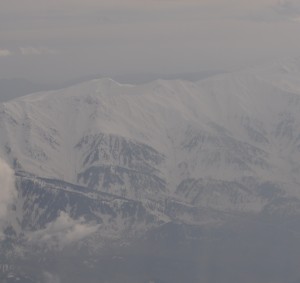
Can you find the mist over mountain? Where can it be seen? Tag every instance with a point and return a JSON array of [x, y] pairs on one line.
[[167, 181], [13, 88]]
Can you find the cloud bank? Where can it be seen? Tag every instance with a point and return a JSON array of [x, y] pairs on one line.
[[7, 193], [280, 12], [63, 231], [51, 278], [288, 8], [29, 50], [115, 37], [5, 52]]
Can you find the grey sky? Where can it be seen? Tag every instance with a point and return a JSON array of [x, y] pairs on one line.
[[55, 40]]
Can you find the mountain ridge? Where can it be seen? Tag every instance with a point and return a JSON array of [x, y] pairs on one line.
[[163, 168]]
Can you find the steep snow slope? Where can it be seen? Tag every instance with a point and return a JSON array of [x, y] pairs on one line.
[[197, 174], [188, 141]]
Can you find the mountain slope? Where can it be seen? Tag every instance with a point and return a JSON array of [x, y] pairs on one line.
[[102, 163], [222, 127]]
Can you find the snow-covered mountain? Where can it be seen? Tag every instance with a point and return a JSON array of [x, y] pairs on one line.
[[134, 158]]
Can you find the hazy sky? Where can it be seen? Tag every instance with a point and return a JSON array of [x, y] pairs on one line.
[[52, 40]]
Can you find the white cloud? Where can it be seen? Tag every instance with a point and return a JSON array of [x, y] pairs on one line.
[[5, 52], [63, 231], [51, 278], [30, 50], [7, 192]]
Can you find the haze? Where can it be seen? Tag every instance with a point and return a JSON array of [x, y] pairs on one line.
[[54, 41]]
